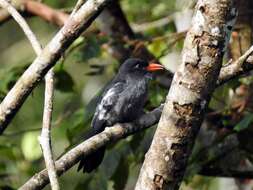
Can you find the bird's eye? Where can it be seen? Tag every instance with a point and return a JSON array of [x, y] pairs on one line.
[[137, 66]]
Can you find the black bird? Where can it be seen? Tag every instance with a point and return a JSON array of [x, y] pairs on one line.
[[122, 101]]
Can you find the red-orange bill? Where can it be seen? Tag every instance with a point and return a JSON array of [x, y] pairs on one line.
[[154, 67]]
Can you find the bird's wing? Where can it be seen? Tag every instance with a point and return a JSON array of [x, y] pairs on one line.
[[108, 101]]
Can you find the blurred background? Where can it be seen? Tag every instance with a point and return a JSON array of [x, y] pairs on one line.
[[222, 156]]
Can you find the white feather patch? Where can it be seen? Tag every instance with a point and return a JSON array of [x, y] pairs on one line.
[[105, 102]]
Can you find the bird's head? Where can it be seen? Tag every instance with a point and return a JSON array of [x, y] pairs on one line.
[[139, 66]]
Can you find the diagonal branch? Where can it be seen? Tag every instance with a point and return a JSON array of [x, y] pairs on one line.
[[45, 12], [110, 134], [154, 24], [36, 8], [5, 15], [73, 27], [77, 6]]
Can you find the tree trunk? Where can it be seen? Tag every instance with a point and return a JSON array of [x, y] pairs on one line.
[[190, 91]]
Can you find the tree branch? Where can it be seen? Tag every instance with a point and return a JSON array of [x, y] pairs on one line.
[[154, 24], [45, 137], [36, 8], [241, 66], [45, 12], [77, 6], [189, 94], [45, 133], [73, 27], [5, 15], [118, 131]]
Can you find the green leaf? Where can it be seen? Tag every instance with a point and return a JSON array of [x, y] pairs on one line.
[[136, 141], [77, 126], [7, 81], [110, 162], [244, 123], [64, 81], [2, 167], [6, 187], [77, 42], [157, 94], [121, 170], [7, 151], [90, 49], [2, 95], [30, 146], [97, 181]]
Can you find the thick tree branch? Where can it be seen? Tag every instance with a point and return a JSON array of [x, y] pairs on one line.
[[77, 6], [190, 91], [73, 27], [110, 134], [241, 66]]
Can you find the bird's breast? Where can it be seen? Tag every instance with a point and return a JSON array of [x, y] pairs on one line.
[[132, 100]]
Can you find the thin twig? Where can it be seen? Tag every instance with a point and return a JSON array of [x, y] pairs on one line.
[[44, 139], [169, 36], [154, 24], [5, 15]]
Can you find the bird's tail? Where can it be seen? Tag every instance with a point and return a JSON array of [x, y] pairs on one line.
[[92, 161]]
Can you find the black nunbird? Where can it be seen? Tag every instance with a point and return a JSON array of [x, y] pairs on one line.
[[122, 101]]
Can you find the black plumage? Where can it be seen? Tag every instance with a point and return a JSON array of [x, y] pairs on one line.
[[122, 101]]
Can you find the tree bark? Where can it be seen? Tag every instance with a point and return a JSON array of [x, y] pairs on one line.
[[192, 85]]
